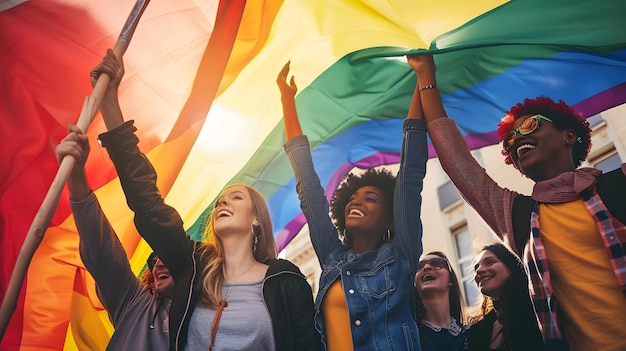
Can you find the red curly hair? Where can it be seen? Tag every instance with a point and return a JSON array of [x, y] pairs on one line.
[[147, 279], [563, 117]]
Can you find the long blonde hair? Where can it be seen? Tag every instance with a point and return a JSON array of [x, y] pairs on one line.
[[212, 251]]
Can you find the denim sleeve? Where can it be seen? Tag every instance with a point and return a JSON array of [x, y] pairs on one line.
[[313, 202], [407, 197]]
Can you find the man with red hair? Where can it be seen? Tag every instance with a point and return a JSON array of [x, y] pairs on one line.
[[570, 232]]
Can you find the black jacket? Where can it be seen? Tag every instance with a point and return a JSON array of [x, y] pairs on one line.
[[287, 294], [526, 338]]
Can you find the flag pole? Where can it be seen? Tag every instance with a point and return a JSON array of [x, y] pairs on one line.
[[46, 210]]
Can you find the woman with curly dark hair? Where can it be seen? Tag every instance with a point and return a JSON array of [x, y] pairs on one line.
[[365, 300], [506, 320], [380, 179]]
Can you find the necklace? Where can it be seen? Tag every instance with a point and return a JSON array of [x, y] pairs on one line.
[[453, 328], [231, 286], [223, 304]]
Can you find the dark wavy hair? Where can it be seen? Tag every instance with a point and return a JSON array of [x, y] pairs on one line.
[[563, 117], [515, 309], [382, 179], [455, 298]]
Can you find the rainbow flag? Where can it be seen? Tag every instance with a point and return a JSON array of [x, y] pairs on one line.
[[200, 83]]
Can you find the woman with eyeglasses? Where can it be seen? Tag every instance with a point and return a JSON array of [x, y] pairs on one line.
[[440, 305], [570, 232], [506, 319], [365, 300]]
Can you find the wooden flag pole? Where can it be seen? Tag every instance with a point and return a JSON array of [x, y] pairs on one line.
[[46, 210]]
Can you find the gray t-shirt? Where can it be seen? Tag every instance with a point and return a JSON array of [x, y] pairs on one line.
[[245, 323]]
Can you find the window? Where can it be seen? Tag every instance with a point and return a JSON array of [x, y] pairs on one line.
[[447, 194], [595, 120], [607, 162], [604, 154], [465, 253]]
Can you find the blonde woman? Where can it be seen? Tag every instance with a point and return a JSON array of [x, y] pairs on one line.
[[232, 292]]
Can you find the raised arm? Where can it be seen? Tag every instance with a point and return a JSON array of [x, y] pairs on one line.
[[75, 144], [426, 89], [159, 224], [100, 249], [288, 92], [110, 106], [490, 200], [313, 202], [415, 108], [409, 184]]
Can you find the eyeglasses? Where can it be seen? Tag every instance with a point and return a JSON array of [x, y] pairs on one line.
[[152, 261], [529, 125], [436, 263]]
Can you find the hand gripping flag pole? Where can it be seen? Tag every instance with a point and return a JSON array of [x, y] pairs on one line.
[[46, 210]]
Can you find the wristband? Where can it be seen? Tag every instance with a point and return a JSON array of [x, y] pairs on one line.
[[429, 86]]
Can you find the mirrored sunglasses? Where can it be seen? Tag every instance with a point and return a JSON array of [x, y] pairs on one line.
[[529, 125], [435, 262]]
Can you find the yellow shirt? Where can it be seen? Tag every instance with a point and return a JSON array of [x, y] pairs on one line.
[[583, 279], [336, 319]]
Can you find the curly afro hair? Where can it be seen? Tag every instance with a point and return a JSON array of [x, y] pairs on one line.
[[563, 117], [382, 179]]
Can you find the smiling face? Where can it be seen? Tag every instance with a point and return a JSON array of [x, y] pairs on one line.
[[432, 274], [491, 274], [163, 281], [543, 153], [234, 212], [367, 212]]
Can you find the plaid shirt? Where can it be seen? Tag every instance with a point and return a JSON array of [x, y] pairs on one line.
[[614, 237]]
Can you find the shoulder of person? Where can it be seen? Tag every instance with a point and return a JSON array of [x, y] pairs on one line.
[[611, 187], [279, 265], [483, 325]]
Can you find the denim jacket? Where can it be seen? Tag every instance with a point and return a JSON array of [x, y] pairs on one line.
[[378, 284]]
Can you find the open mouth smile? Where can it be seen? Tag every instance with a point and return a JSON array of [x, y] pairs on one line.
[[482, 280], [162, 276], [356, 213], [429, 277], [224, 213], [524, 149]]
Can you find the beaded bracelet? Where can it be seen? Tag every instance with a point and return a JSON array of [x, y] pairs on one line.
[[429, 86]]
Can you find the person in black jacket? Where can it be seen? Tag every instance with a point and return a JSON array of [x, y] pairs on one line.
[[506, 320], [231, 291]]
